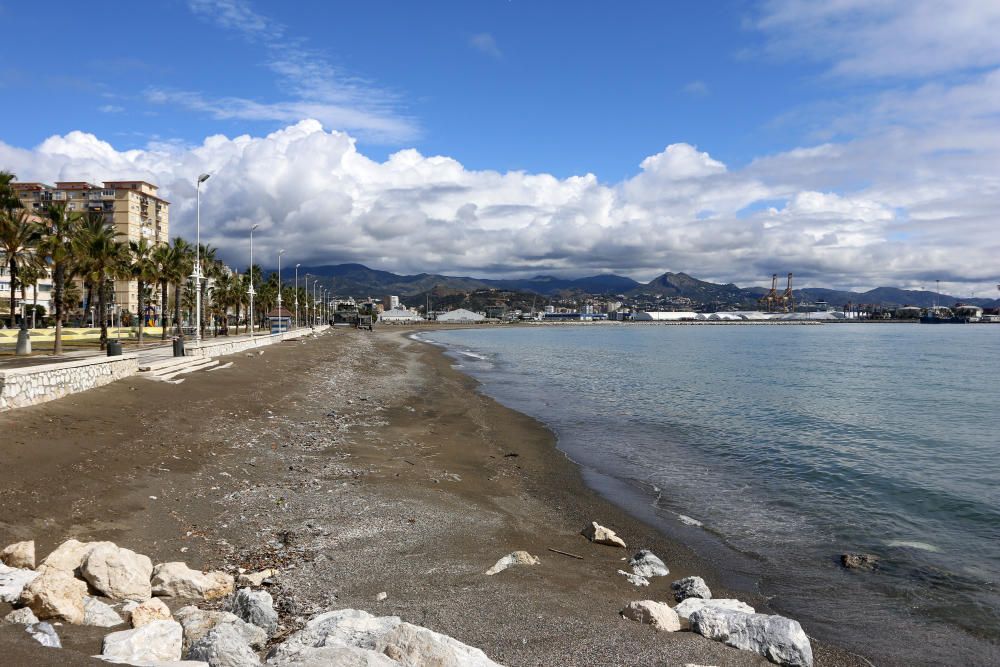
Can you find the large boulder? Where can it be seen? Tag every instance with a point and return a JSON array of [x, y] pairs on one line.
[[691, 605], [22, 616], [12, 582], [223, 646], [781, 640], [647, 564], [344, 627], [159, 641], [597, 533], [141, 613], [414, 646], [44, 634], [56, 595], [255, 607], [120, 574], [691, 587], [512, 559], [19, 554], [198, 622], [339, 656], [656, 614], [69, 555], [99, 614], [178, 580]]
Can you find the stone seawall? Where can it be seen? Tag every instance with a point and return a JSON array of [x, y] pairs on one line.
[[220, 348], [21, 387]]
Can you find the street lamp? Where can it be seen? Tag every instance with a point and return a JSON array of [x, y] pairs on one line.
[[250, 291], [297, 295], [314, 303], [196, 274], [280, 253]]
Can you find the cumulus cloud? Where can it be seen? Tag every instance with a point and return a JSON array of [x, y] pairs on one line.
[[317, 196]]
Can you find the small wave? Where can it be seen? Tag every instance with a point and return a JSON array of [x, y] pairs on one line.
[[905, 544], [472, 355], [689, 521]]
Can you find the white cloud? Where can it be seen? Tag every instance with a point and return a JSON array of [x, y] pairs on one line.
[[486, 43], [317, 196], [696, 89], [110, 108]]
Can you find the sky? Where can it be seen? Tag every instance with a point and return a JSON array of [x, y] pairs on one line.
[[854, 143]]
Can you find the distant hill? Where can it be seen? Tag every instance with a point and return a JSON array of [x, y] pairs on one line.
[[358, 280]]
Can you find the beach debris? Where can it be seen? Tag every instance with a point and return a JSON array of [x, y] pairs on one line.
[[510, 455], [656, 614], [691, 605], [565, 553], [381, 596], [159, 641], [256, 579], [691, 587], [781, 640], [511, 559], [22, 616], [859, 561], [176, 579], [199, 622], [143, 613], [20, 555], [223, 646], [634, 579], [56, 595], [598, 534], [69, 556], [12, 582], [44, 634], [99, 614], [255, 607], [646, 564], [120, 574]]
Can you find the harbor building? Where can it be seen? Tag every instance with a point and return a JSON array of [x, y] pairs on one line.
[[133, 207]]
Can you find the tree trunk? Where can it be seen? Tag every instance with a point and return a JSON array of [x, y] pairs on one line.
[[89, 303], [13, 299], [102, 307], [59, 277], [163, 310], [177, 310], [141, 311]]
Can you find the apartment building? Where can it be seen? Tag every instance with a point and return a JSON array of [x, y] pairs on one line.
[[133, 207]]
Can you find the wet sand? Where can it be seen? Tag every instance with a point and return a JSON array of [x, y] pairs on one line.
[[355, 463]]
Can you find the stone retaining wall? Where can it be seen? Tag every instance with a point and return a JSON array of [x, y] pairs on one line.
[[21, 387], [220, 348]]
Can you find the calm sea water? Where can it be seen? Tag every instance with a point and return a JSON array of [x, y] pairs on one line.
[[791, 445]]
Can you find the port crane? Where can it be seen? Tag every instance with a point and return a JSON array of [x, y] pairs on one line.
[[773, 302]]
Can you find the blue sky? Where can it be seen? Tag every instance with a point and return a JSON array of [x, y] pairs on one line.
[[855, 143]]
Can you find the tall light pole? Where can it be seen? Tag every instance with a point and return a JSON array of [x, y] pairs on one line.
[[196, 274], [280, 253], [315, 303], [297, 295], [251, 291]]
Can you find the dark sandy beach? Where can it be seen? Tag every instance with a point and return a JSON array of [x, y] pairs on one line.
[[355, 463]]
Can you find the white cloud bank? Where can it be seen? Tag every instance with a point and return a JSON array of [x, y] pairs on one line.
[[315, 195]]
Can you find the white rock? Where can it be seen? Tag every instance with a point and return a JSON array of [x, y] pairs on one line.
[[120, 574], [597, 533], [223, 646], [781, 640], [691, 605], [255, 607], [414, 646], [153, 642], [198, 622], [511, 559], [256, 579], [69, 555], [147, 612], [99, 614], [12, 582], [345, 627], [339, 656], [22, 616], [634, 579], [56, 595], [19, 554], [44, 634], [691, 587], [178, 580], [657, 614], [381, 596], [647, 564]]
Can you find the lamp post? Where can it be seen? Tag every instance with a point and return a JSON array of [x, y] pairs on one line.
[[297, 295], [251, 291], [280, 253], [196, 274], [315, 303]]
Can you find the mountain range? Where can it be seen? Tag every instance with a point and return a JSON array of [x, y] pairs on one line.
[[358, 280]]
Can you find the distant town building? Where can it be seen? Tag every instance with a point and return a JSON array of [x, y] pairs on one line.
[[461, 315], [390, 302], [399, 315]]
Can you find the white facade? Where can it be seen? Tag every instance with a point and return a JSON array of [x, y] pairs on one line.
[[461, 315], [664, 316], [399, 316]]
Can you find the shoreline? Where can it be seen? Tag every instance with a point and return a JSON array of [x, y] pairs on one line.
[[356, 463]]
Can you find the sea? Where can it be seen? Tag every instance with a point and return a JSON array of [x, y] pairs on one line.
[[772, 450]]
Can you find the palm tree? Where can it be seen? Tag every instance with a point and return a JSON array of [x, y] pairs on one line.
[[104, 259], [19, 234], [210, 266], [144, 270], [181, 262], [61, 226], [161, 258], [31, 273]]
